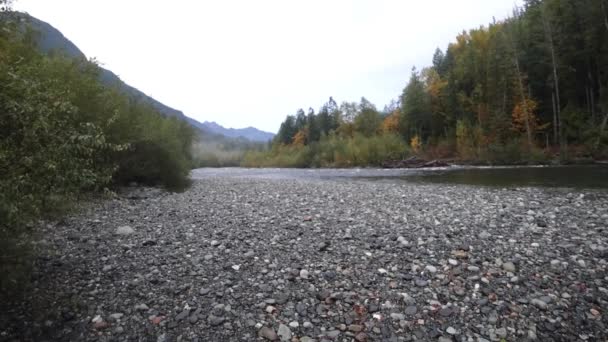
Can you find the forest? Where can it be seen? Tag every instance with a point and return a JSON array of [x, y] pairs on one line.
[[65, 135], [532, 88]]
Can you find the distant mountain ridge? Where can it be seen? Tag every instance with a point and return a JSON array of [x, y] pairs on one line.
[[250, 133], [50, 39]]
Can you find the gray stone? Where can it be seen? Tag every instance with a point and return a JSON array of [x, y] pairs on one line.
[[473, 268], [485, 235], [215, 320], [411, 310], [124, 230], [421, 282], [333, 334], [539, 304], [268, 333], [501, 332], [397, 316], [284, 333], [509, 267], [141, 307]]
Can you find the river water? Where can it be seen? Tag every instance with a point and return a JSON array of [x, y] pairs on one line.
[[580, 177]]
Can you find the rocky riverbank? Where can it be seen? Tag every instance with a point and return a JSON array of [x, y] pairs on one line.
[[245, 259]]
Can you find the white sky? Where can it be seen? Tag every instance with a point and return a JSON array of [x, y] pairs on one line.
[[250, 63]]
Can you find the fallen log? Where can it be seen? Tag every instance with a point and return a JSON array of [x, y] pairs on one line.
[[413, 163]]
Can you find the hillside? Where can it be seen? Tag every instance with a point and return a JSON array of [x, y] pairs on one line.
[[250, 133], [49, 40]]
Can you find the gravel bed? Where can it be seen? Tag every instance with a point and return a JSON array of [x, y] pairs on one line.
[[254, 259]]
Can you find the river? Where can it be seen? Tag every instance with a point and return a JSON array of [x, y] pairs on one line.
[[576, 176]]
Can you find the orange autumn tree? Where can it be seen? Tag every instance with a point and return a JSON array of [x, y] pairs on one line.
[[300, 138], [415, 144], [391, 123], [524, 118]]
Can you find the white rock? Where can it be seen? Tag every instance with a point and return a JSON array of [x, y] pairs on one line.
[[116, 316], [509, 267], [284, 333], [484, 235], [431, 268], [124, 230], [141, 307], [304, 274]]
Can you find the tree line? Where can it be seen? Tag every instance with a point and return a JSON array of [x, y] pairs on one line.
[[64, 134], [529, 88]]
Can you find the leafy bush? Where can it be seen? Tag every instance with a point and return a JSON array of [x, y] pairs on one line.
[[65, 134], [332, 151], [515, 151]]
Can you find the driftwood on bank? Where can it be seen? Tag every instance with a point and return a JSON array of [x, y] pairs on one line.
[[413, 163]]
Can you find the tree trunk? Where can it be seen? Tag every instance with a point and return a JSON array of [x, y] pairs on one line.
[[605, 15], [587, 99], [592, 95], [524, 103], [555, 127], [549, 35], [602, 129]]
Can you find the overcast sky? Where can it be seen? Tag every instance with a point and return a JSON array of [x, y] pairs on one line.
[[250, 63]]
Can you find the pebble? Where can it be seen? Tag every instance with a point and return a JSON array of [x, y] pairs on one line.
[[361, 337], [485, 235], [215, 320], [268, 333], [539, 304], [431, 269], [124, 230], [232, 259], [473, 268], [284, 332], [116, 316], [411, 310], [509, 267], [141, 307], [355, 327], [397, 316]]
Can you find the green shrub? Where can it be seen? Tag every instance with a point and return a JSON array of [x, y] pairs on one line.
[[515, 151], [332, 151], [63, 134]]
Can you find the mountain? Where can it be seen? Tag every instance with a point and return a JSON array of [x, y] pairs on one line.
[[49, 39], [250, 133]]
